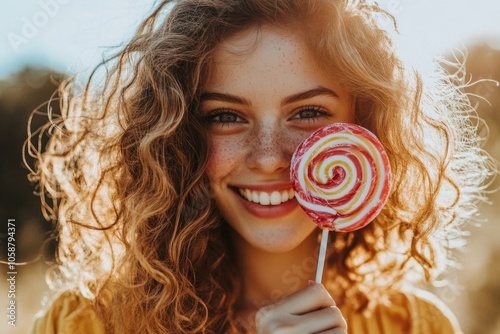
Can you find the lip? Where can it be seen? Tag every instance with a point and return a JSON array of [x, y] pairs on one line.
[[268, 211]]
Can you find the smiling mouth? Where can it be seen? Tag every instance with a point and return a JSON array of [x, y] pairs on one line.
[[267, 198]]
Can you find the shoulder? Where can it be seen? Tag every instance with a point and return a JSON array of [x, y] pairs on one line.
[[429, 313], [411, 312], [69, 312]]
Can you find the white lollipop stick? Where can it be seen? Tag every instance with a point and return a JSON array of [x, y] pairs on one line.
[[322, 253], [341, 177]]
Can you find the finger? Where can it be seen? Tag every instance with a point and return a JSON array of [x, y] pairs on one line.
[[309, 299], [334, 331], [322, 320]]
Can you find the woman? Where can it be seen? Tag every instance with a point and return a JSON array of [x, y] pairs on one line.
[[171, 188]]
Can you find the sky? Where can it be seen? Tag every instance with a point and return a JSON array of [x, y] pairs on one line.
[[73, 35]]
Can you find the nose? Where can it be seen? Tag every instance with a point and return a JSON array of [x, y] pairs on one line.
[[270, 149]]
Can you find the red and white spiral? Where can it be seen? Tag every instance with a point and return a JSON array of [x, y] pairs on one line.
[[341, 176]]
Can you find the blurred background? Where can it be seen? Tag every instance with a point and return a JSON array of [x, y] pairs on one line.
[[44, 41]]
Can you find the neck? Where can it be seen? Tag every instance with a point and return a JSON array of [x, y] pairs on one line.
[[269, 277]]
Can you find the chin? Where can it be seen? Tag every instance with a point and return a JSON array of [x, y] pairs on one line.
[[277, 238]]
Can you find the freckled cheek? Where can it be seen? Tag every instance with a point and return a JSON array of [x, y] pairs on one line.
[[225, 157], [295, 138], [291, 139]]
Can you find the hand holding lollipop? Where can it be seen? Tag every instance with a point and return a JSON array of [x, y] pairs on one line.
[[341, 177]]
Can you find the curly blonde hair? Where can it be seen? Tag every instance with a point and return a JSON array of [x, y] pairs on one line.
[[123, 175]]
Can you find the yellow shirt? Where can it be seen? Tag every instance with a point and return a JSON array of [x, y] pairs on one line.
[[404, 313]]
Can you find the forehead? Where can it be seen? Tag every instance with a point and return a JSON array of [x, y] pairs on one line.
[[264, 52], [265, 37]]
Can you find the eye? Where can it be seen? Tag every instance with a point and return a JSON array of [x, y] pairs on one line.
[[223, 117], [309, 113]]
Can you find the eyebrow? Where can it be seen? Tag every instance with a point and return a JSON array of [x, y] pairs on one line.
[[309, 94], [224, 97]]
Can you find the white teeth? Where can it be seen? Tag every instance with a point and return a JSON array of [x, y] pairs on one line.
[[284, 196], [275, 198], [265, 198]]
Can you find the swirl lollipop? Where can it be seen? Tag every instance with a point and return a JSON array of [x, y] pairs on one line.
[[341, 177]]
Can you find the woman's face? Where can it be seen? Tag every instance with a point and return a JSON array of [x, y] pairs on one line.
[[265, 94]]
